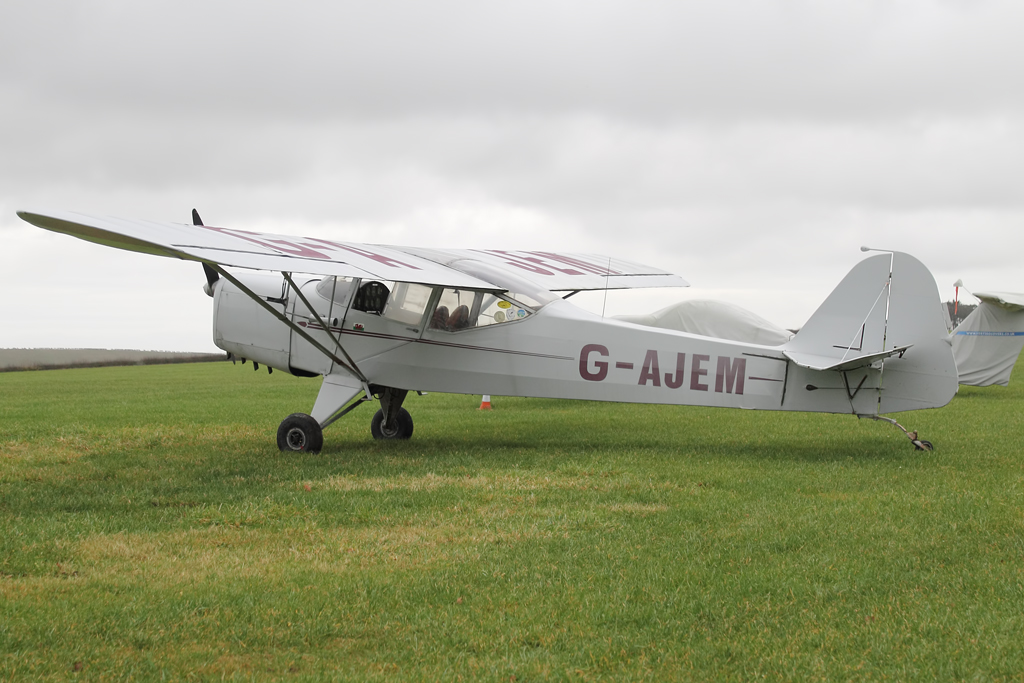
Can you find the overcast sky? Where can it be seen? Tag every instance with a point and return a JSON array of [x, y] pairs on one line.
[[750, 147]]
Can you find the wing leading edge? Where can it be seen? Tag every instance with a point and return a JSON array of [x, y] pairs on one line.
[[265, 251], [559, 271], [259, 251]]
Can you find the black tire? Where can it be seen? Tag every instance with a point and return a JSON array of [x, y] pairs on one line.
[[300, 433], [403, 429], [927, 446]]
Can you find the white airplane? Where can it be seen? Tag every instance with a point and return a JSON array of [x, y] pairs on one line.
[[988, 342], [378, 322]]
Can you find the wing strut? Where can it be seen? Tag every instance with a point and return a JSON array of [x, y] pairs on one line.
[[283, 318], [327, 328]]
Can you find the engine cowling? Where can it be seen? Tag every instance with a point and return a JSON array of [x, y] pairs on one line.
[[244, 328]]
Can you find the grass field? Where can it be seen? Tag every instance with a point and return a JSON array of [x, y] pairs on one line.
[[151, 530]]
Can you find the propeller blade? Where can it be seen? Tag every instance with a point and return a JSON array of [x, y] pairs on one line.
[[211, 278], [211, 274]]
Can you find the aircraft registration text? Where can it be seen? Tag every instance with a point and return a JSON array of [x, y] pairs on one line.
[[730, 373]]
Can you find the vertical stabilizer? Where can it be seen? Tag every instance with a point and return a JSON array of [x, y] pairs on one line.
[[888, 304]]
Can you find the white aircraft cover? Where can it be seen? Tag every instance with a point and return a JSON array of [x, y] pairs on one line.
[[988, 342], [714, 319], [1007, 300], [264, 251]]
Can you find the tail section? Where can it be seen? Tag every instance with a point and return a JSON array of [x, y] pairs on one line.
[[883, 324]]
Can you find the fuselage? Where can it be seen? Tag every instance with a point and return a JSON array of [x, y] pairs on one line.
[[555, 350]]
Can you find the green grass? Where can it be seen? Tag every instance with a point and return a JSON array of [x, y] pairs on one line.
[[151, 529]]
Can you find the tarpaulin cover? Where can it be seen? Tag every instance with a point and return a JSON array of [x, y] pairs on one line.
[[714, 319], [987, 343], [1007, 300]]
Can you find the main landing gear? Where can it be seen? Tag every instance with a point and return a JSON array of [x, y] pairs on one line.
[[400, 427], [301, 433], [392, 421]]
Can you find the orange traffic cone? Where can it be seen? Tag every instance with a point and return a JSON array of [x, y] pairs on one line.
[[486, 403]]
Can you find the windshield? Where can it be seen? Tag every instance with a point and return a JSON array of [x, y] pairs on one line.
[[519, 289], [465, 309], [407, 302], [335, 289]]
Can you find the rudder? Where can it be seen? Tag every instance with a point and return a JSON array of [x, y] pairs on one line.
[[886, 314]]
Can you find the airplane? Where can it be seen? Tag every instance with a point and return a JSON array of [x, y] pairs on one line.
[[988, 342], [376, 322]]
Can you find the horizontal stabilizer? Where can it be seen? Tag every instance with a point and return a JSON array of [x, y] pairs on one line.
[[816, 362]]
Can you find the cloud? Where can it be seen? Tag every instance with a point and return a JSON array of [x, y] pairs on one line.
[[749, 146], [731, 59]]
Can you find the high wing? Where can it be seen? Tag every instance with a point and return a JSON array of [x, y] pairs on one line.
[[260, 251], [263, 251], [559, 272]]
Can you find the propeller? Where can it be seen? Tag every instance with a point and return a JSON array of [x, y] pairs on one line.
[[211, 275]]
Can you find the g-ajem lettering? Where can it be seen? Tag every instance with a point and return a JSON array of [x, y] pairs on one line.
[[730, 373]]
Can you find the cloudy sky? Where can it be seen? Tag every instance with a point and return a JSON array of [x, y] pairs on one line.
[[749, 146]]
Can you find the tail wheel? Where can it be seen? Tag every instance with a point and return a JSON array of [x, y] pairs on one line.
[[300, 432], [401, 428]]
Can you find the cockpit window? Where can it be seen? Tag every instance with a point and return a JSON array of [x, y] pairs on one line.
[[463, 309], [519, 289], [371, 297], [335, 289], [407, 302]]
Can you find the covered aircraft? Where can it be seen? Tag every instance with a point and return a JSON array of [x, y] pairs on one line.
[[376, 322], [988, 342], [710, 318]]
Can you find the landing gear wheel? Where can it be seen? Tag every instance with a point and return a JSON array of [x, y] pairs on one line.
[[919, 444], [401, 430], [300, 432]]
